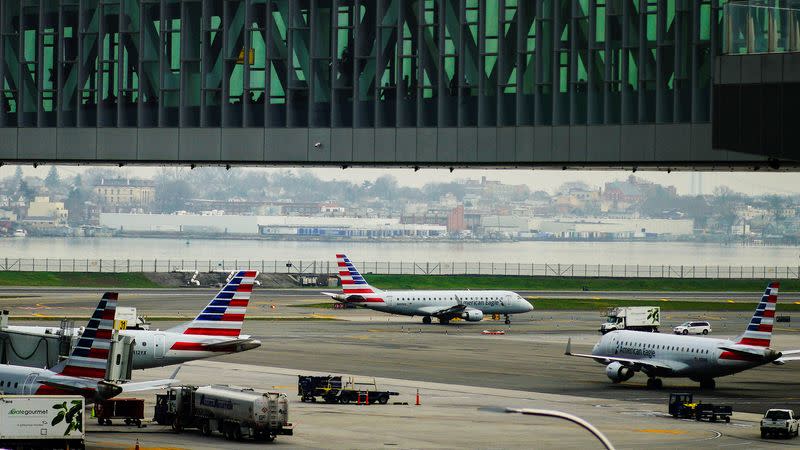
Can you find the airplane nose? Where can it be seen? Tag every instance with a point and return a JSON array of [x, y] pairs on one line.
[[528, 305]]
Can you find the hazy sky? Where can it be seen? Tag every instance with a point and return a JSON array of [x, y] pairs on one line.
[[547, 180]]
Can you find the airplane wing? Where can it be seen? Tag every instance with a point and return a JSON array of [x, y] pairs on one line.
[[787, 356], [635, 364], [225, 344], [151, 385], [70, 383], [343, 298], [148, 385]]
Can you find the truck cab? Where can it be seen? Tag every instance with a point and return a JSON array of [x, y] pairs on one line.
[[779, 422]]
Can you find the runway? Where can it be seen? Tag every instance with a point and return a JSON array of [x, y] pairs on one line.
[[183, 302], [475, 374]]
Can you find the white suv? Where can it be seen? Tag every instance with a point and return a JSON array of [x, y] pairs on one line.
[[699, 327]]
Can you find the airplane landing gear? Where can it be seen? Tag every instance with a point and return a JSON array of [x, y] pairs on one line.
[[444, 321], [654, 383], [426, 320], [708, 383], [508, 320]]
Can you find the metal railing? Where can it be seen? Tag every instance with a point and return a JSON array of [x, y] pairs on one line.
[[401, 268], [761, 27]]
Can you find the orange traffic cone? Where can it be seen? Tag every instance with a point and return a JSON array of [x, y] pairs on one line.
[[417, 398], [137, 445]]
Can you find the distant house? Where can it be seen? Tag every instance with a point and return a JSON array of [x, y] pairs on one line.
[[120, 194]]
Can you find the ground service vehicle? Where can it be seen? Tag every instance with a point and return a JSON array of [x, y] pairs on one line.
[[337, 389], [693, 327], [779, 421], [682, 406], [637, 318], [131, 410], [42, 421], [236, 412]]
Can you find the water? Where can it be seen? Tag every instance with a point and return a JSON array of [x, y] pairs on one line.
[[656, 253]]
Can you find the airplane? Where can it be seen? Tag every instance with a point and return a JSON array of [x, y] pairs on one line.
[[443, 305], [84, 371], [215, 331], [700, 359]]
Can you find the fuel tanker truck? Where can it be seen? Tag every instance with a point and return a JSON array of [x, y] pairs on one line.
[[235, 412]]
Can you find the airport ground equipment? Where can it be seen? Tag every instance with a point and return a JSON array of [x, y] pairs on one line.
[[338, 389], [42, 421], [130, 410], [682, 406], [132, 320], [779, 422], [636, 318], [235, 412]]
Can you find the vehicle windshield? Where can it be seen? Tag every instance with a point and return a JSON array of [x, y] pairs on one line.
[[685, 324], [777, 415]]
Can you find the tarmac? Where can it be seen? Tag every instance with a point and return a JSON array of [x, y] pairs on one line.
[[466, 379]]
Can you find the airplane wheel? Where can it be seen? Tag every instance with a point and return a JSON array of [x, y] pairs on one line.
[[426, 320], [444, 321], [708, 383], [508, 321], [654, 383]]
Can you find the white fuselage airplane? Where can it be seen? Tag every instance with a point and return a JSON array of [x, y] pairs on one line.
[[443, 305], [215, 331], [84, 371], [700, 359]]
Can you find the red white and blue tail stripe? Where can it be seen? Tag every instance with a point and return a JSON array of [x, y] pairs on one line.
[[90, 356], [224, 315], [759, 331], [354, 287]]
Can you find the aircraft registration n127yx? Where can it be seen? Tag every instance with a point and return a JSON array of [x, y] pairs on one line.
[[443, 305], [84, 371], [215, 331], [700, 359]]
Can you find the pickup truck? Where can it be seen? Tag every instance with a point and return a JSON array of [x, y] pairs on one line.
[[779, 421]]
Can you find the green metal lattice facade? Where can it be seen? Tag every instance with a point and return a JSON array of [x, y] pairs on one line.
[[509, 82]]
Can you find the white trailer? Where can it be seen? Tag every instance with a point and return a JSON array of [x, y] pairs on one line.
[[42, 421], [637, 318]]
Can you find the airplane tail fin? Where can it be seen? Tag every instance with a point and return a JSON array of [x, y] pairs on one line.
[[224, 315], [352, 281], [759, 331], [90, 356]]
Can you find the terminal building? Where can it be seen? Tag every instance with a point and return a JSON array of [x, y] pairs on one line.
[[572, 83]]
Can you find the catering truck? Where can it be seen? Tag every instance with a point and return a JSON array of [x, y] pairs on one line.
[[637, 318], [235, 412], [41, 421]]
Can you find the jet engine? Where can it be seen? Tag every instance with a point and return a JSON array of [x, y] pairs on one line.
[[472, 315], [618, 373]]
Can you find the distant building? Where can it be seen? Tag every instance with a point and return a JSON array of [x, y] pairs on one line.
[[43, 212], [455, 220], [121, 194]]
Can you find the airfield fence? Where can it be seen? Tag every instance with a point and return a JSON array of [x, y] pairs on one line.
[[301, 267]]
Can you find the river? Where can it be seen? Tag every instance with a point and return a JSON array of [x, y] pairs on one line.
[[655, 253]]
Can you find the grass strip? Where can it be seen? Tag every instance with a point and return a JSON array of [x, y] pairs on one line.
[[583, 304], [178, 319], [76, 279], [525, 283]]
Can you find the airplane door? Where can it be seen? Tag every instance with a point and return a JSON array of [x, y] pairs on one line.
[[28, 384], [160, 344]]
